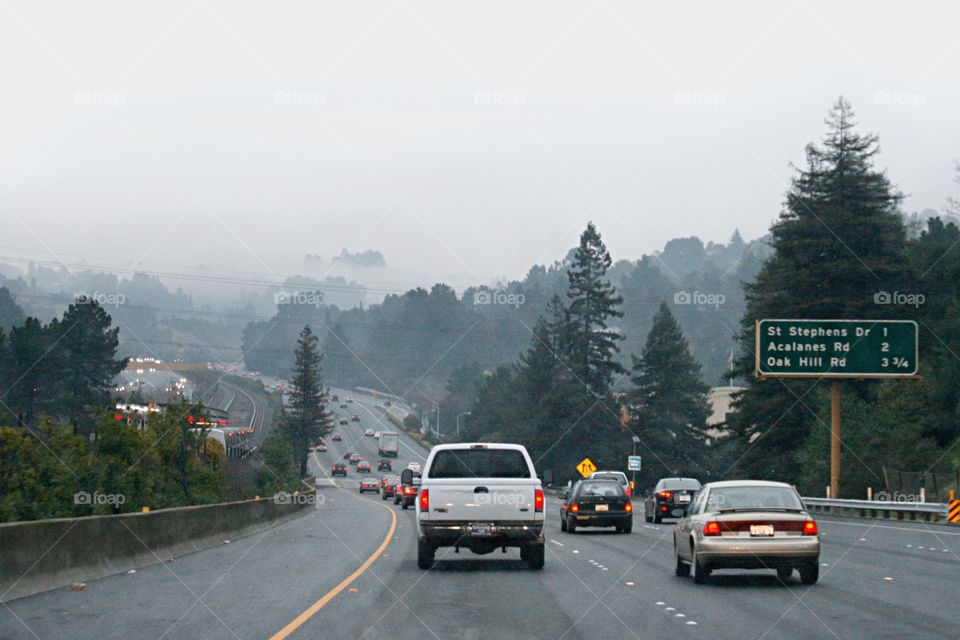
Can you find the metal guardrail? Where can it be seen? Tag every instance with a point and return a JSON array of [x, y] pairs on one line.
[[926, 511]]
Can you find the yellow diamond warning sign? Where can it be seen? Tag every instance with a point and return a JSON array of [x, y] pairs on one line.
[[586, 467]]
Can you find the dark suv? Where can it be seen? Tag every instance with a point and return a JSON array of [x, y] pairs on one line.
[[597, 503], [670, 499]]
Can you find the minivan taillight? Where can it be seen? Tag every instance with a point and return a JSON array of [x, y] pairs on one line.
[[538, 500], [424, 500]]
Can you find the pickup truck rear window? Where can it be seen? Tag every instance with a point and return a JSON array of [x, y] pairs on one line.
[[479, 463]]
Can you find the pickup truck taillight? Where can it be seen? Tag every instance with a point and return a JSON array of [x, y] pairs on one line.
[[538, 500], [424, 499]]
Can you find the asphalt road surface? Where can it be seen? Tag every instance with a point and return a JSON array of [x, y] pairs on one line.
[[347, 569]]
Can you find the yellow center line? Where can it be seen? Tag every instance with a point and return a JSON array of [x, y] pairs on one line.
[[297, 622]]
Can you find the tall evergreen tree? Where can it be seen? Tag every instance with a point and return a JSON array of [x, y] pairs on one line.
[[84, 346], [669, 399], [309, 418], [11, 315], [839, 240], [593, 301], [30, 374]]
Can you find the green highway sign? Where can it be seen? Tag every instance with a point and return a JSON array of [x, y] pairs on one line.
[[836, 348]]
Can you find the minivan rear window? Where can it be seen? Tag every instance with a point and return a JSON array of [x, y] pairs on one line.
[[479, 463]]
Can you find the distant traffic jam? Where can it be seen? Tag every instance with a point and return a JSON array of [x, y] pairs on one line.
[[485, 497]]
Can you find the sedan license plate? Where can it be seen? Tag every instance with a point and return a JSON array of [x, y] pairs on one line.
[[761, 530], [683, 497], [603, 507]]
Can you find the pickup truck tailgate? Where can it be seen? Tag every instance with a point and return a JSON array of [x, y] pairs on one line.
[[481, 500]]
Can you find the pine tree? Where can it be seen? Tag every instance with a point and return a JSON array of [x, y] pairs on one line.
[[669, 399], [839, 240], [593, 301], [309, 418], [83, 347]]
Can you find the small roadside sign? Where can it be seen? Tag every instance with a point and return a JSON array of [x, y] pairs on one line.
[[953, 512], [633, 463], [586, 467]]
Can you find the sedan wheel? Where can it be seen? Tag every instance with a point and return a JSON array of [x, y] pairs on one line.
[[698, 571], [681, 568], [810, 574], [563, 523], [571, 526]]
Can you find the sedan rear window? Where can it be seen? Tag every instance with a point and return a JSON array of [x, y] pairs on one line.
[[681, 484], [605, 489], [479, 463], [751, 497], [608, 476]]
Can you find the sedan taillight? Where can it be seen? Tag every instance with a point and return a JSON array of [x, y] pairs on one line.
[[810, 528], [628, 507], [574, 507], [712, 528], [666, 495]]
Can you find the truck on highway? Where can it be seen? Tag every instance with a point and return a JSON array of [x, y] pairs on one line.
[[482, 496], [389, 444]]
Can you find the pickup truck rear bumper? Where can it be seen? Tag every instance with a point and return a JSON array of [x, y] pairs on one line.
[[446, 534]]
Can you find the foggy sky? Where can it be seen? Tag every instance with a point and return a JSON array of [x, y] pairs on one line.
[[464, 141]]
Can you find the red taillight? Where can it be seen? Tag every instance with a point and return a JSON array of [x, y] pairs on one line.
[[629, 507], [628, 492], [663, 508], [712, 528], [810, 528], [666, 495], [574, 507], [538, 500], [424, 500]]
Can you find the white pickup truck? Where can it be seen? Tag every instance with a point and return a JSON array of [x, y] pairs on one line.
[[481, 496]]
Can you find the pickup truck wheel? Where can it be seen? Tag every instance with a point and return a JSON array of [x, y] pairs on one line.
[[535, 556], [571, 526], [563, 523], [425, 554], [784, 573], [404, 504]]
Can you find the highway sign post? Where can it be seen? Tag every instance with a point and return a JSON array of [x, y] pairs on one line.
[[837, 349], [586, 467], [633, 463]]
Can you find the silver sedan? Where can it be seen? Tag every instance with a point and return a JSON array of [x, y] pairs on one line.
[[747, 524]]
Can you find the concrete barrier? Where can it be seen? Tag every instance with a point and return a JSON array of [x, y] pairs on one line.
[[40, 555]]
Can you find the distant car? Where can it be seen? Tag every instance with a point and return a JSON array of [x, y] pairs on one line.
[[344, 422], [321, 448], [386, 403], [369, 484], [339, 469], [747, 524], [384, 465], [355, 458], [397, 490], [368, 433], [408, 495], [619, 476], [347, 455], [670, 498], [343, 406], [415, 467], [376, 434], [597, 503], [321, 441], [349, 399], [363, 467], [335, 398], [388, 487], [337, 437], [355, 418]]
